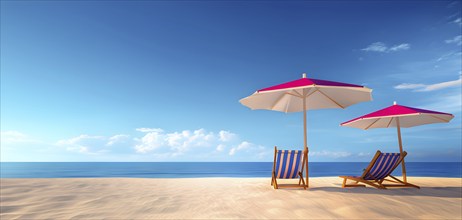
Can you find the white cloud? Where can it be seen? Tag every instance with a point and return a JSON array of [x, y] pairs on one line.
[[93, 144], [182, 141], [456, 40], [220, 147], [149, 130], [177, 143], [232, 151], [430, 87], [80, 149], [409, 86], [116, 139], [362, 154], [150, 141], [458, 21], [155, 144], [13, 137], [226, 136], [16, 137], [450, 55], [78, 140], [376, 47], [83, 143], [332, 154], [442, 85], [243, 145], [400, 47], [383, 48]]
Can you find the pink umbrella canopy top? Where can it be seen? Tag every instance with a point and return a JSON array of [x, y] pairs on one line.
[[305, 82], [307, 94], [409, 117]]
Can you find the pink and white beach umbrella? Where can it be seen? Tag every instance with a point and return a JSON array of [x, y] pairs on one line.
[[398, 116], [305, 94]]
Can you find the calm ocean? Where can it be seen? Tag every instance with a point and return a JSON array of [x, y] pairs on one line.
[[203, 169]]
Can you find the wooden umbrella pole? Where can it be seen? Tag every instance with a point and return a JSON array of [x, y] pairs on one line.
[[305, 149], [403, 166]]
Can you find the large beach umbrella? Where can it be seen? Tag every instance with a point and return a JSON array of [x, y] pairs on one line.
[[398, 116], [305, 94]]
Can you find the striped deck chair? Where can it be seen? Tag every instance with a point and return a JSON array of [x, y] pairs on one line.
[[288, 164], [378, 171]]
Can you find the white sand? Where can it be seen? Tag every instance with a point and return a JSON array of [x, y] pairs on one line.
[[224, 198]]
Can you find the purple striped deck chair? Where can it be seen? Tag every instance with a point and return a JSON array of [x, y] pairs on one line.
[[378, 171], [288, 164]]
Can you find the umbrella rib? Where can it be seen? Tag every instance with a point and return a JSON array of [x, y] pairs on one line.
[[299, 95], [372, 124], [287, 104], [277, 101], [331, 99], [296, 95], [388, 125], [282, 96], [316, 89], [439, 118]]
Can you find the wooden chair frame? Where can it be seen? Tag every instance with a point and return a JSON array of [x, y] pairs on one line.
[[301, 182], [377, 183]]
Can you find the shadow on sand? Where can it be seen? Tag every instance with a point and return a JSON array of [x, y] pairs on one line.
[[443, 192]]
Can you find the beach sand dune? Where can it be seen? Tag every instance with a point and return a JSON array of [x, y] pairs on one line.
[[224, 198]]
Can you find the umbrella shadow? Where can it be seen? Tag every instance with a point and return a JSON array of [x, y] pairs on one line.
[[442, 192]]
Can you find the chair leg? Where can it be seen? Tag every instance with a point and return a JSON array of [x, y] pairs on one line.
[[356, 184], [382, 185], [405, 184], [300, 174], [345, 178], [274, 183], [272, 179]]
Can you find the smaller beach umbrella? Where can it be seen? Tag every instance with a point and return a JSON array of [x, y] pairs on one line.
[[398, 116]]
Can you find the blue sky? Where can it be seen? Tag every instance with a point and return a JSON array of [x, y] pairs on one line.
[[161, 80]]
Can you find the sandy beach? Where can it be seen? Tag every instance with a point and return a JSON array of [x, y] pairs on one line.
[[224, 198]]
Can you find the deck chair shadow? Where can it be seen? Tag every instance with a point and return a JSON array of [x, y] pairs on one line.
[[288, 164], [379, 171]]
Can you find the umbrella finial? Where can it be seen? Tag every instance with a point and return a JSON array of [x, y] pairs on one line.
[[394, 102], [304, 75]]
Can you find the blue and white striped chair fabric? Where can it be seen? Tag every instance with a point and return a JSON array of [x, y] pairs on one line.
[[288, 163], [384, 165]]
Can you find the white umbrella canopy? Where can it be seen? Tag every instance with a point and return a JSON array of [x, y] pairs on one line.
[[405, 120], [307, 94], [316, 94]]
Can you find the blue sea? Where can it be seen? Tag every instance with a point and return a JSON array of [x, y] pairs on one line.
[[203, 169]]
